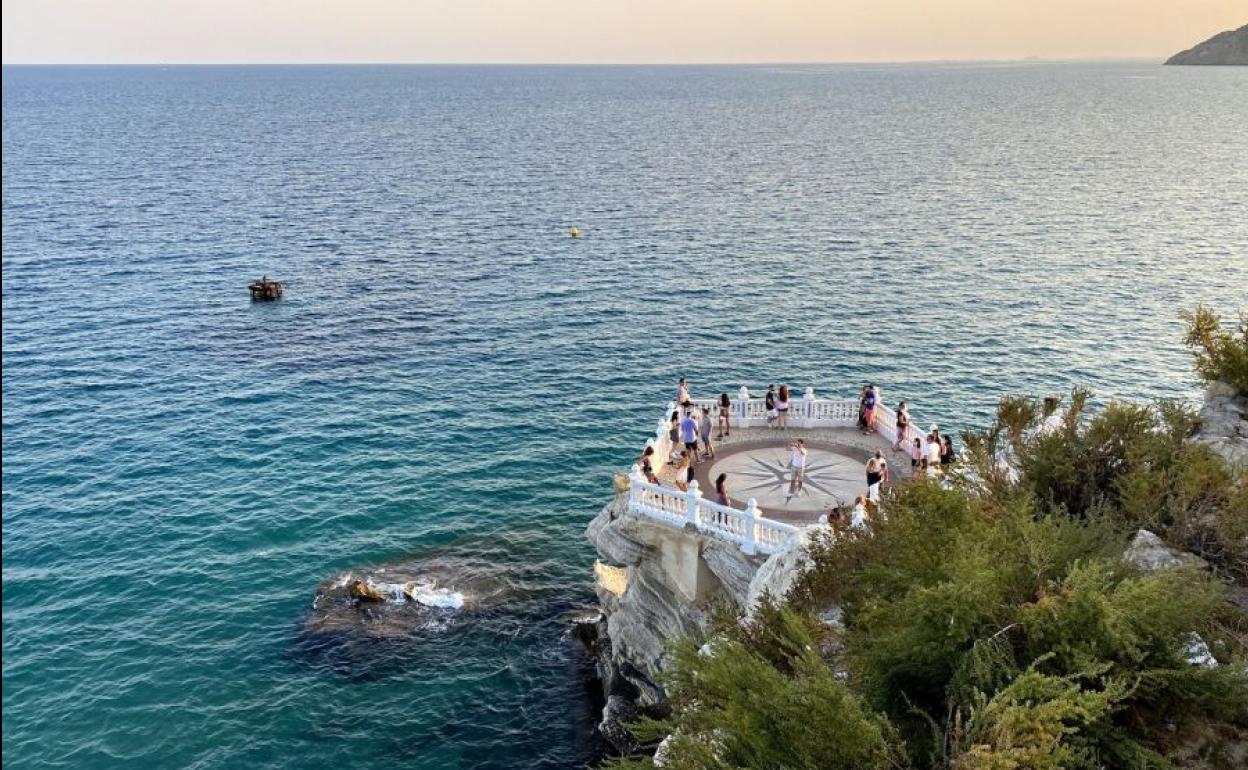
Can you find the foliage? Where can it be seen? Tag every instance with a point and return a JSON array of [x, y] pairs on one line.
[[1133, 466], [994, 636], [737, 707], [990, 623], [1219, 355]]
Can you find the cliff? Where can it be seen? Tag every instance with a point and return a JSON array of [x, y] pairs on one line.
[[1224, 423], [1230, 47], [656, 583]]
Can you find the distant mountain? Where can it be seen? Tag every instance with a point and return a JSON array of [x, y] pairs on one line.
[[1230, 47]]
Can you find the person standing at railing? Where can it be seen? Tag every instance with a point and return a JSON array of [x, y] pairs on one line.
[[917, 461], [869, 398], [932, 452], [769, 403], [689, 436], [797, 463], [673, 437], [682, 394], [947, 455], [782, 408], [903, 423], [721, 489], [704, 425], [725, 414]]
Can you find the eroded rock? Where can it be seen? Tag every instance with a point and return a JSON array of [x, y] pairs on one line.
[[1147, 552]]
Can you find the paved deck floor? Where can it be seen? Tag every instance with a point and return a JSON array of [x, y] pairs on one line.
[[757, 463]]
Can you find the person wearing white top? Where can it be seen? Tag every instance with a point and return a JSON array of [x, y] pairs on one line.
[[797, 462], [858, 516], [932, 450]]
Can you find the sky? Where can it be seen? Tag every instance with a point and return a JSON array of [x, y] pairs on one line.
[[603, 31]]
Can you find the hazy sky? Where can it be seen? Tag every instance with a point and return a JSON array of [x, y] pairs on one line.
[[111, 31]]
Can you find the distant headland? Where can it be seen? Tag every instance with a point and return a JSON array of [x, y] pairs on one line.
[[1225, 48]]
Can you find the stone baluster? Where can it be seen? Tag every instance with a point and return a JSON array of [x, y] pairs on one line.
[[695, 498], [743, 407], [808, 407], [749, 547]]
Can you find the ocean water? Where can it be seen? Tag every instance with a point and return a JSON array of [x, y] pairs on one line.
[[451, 380]]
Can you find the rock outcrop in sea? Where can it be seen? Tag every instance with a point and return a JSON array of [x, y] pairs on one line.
[[1225, 48]]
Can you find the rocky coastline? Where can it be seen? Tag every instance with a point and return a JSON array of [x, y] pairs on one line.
[[646, 597], [1229, 48]]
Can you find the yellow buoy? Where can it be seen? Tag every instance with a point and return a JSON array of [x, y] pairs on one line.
[[574, 232]]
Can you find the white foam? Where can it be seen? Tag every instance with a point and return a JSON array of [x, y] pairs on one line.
[[430, 596]]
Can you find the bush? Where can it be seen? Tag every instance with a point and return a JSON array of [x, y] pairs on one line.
[[735, 706], [1219, 355], [1134, 466], [993, 635]]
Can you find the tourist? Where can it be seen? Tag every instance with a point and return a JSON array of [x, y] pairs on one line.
[[877, 474], [682, 394], [721, 489], [673, 433], [647, 467], [782, 408], [868, 409], [797, 462], [684, 474], [725, 415], [858, 516], [689, 436], [705, 425], [933, 453], [769, 402], [946, 453], [916, 455], [903, 423]]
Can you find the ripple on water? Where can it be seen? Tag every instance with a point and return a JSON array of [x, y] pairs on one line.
[[451, 380]]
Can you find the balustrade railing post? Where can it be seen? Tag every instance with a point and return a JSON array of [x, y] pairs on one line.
[[749, 547], [808, 407], [695, 496], [743, 406], [634, 489]]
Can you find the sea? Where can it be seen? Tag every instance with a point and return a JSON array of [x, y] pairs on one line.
[[450, 380]]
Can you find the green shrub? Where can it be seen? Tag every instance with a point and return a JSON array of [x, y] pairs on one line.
[[1218, 355], [735, 707]]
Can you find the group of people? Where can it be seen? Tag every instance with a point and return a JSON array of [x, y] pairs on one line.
[[689, 436], [930, 453], [690, 428]]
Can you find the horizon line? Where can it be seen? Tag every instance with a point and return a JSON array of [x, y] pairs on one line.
[[1004, 60]]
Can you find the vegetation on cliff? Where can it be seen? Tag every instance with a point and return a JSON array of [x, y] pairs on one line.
[[993, 622], [1220, 355]]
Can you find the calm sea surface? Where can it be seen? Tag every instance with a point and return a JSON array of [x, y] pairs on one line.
[[452, 380]]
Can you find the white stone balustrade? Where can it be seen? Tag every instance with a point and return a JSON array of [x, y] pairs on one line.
[[748, 528]]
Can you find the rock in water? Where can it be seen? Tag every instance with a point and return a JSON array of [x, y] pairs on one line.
[[1224, 48]]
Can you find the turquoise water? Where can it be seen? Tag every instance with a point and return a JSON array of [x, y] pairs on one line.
[[451, 380]]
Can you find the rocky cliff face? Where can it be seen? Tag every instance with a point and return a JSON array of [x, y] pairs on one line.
[[1230, 47], [1224, 423], [674, 580]]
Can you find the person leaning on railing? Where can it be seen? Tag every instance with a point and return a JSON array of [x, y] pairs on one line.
[[647, 465]]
